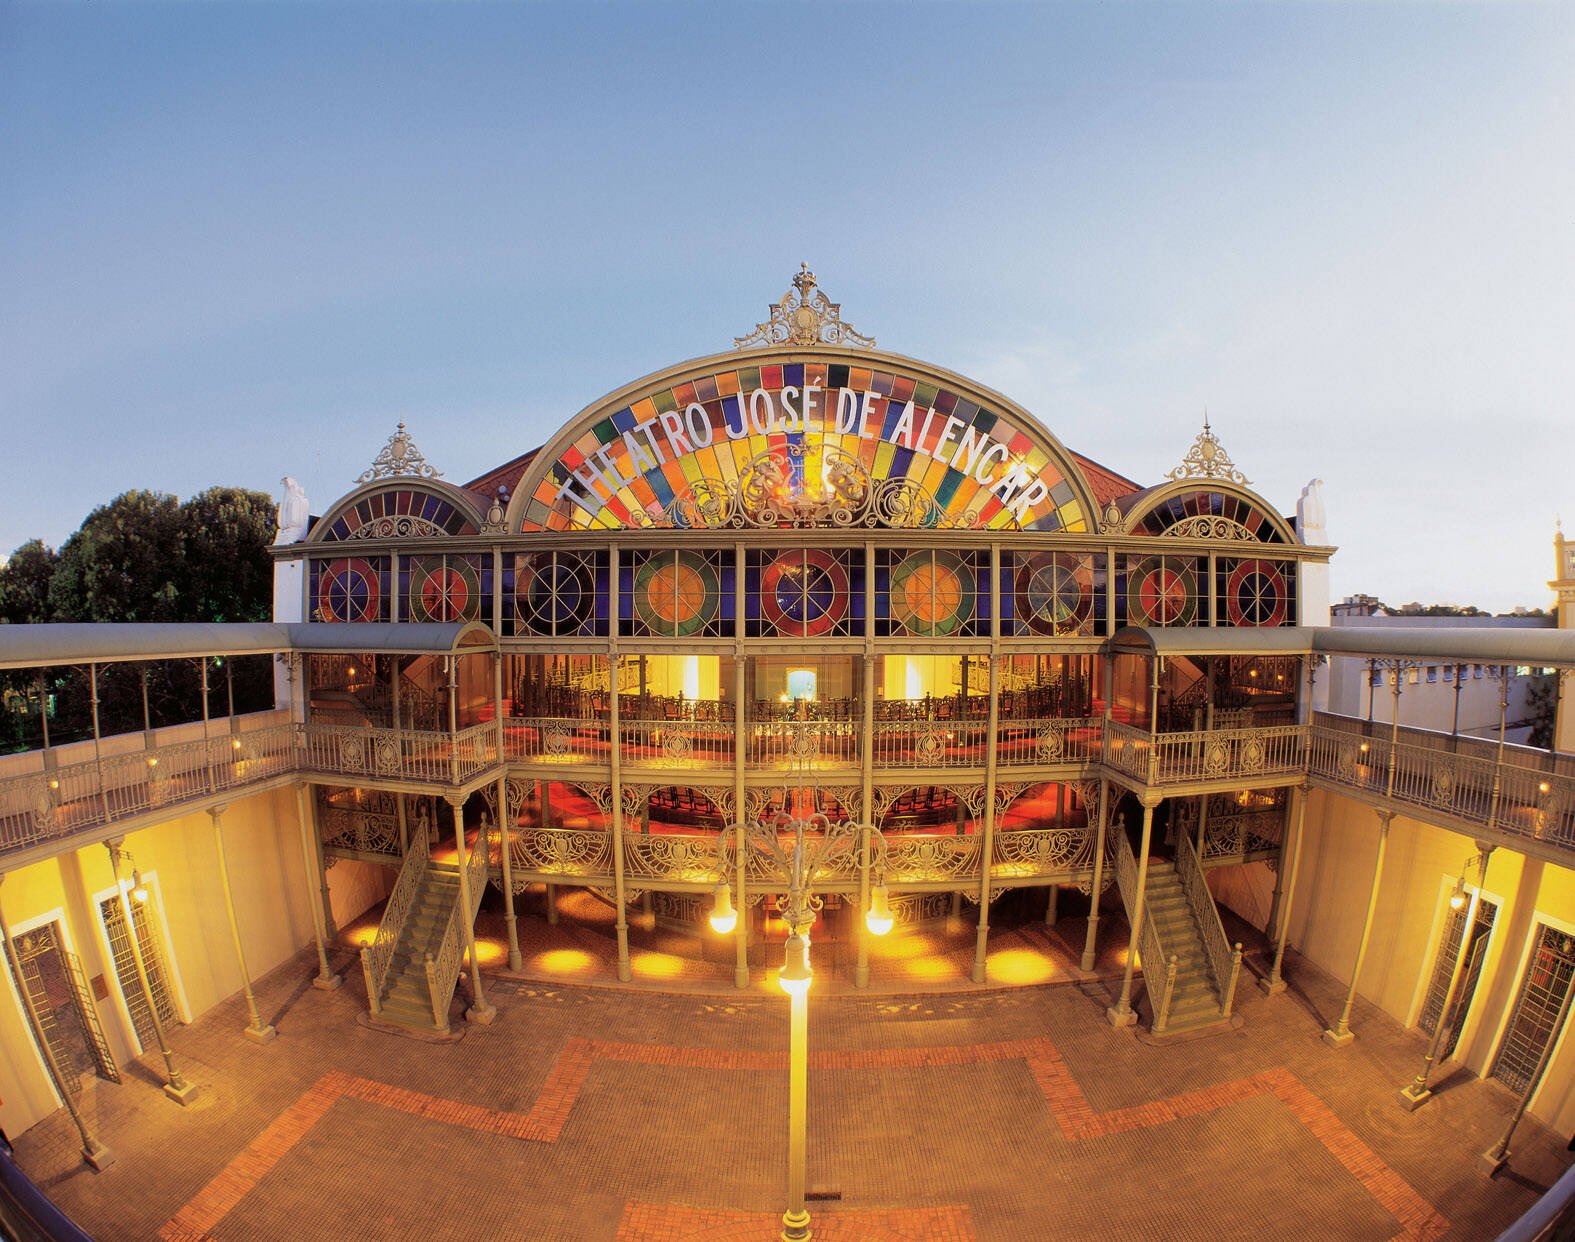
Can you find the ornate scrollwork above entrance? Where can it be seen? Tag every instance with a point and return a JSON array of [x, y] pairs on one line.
[[1207, 459], [780, 488], [398, 457], [804, 316]]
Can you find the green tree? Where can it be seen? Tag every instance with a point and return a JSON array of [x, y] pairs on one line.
[[24, 583], [228, 576], [125, 563], [1541, 709]]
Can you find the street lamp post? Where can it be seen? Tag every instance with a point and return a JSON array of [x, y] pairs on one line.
[[819, 848]]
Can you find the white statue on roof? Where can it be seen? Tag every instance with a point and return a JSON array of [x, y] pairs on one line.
[[1309, 514], [294, 512]]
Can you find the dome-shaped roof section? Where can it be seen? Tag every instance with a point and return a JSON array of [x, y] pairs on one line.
[[818, 435]]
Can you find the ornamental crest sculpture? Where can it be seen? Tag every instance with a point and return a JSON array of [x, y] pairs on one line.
[[804, 316], [779, 488], [399, 457], [1207, 459]]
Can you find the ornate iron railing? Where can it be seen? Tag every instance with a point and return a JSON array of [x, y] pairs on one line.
[[556, 739], [920, 858], [364, 832], [77, 797], [678, 857], [788, 743], [1038, 853], [1127, 750], [931, 744], [1158, 973], [1225, 754], [550, 853], [1223, 961], [1534, 805], [442, 969], [379, 955], [677, 743], [1048, 743], [1237, 837]]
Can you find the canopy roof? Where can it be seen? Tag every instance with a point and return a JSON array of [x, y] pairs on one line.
[[1207, 640], [1438, 644], [38, 646]]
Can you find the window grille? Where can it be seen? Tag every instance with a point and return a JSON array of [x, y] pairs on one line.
[[1444, 967], [1537, 1007], [126, 968]]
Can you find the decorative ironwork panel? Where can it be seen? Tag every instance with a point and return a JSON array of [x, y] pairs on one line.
[[1162, 590], [681, 593], [804, 593], [1034, 852], [1058, 593], [932, 594], [350, 589], [447, 587], [1254, 592], [675, 857], [558, 594], [560, 851]]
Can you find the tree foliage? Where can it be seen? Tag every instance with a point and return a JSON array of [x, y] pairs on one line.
[[144, 556]]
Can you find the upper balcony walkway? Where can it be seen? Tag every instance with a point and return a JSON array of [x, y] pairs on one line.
[[1513, 795]]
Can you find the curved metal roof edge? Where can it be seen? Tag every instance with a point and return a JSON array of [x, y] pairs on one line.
[[1214, 640], [44, 646], [1473, 645], [1485, 645]]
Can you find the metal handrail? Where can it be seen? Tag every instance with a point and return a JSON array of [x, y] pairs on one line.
[[377, 957], [442, 970], [1151, 948], [1216, 947]]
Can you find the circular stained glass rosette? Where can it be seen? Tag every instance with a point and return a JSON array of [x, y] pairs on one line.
[[1256, 594], [932, 594], [553, 593], [804, 594], [1162, 591], [1055, 593], [440, 592], [348, 591], [676, 594]]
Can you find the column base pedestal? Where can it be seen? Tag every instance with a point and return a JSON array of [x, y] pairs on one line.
[[1411, 1099], [481, 1015], [1338, 1039], [182, 1095], [260, 1034], [795, 1227], [1492, 1163], [98, 1158], [1120, 1017], [1271, 986], [327, 983]]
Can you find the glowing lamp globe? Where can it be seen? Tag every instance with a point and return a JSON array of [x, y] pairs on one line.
[[878, 917], [796, 975], [723, 917]]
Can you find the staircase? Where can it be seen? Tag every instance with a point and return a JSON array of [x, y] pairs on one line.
[[1195, 1000], [405, 998]]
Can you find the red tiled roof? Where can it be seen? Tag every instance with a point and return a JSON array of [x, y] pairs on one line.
[[1106, 485], [507, 475]]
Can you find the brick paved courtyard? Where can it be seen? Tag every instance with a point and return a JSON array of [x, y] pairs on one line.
[[588, 1112]]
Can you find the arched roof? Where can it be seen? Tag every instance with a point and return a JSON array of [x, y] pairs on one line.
[[1207, 509], [399, 507], [804, 435]]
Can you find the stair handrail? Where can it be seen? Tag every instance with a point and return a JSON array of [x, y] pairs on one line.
[[1224, 962], [442, 969], [1157, 977], [378, 957]]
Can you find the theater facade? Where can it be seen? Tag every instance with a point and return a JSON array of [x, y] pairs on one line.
[[802, 581]]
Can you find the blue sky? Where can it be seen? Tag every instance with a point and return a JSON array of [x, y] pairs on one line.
[[243, 241]]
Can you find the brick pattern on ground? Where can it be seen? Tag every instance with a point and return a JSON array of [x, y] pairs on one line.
[[544, 1122]]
